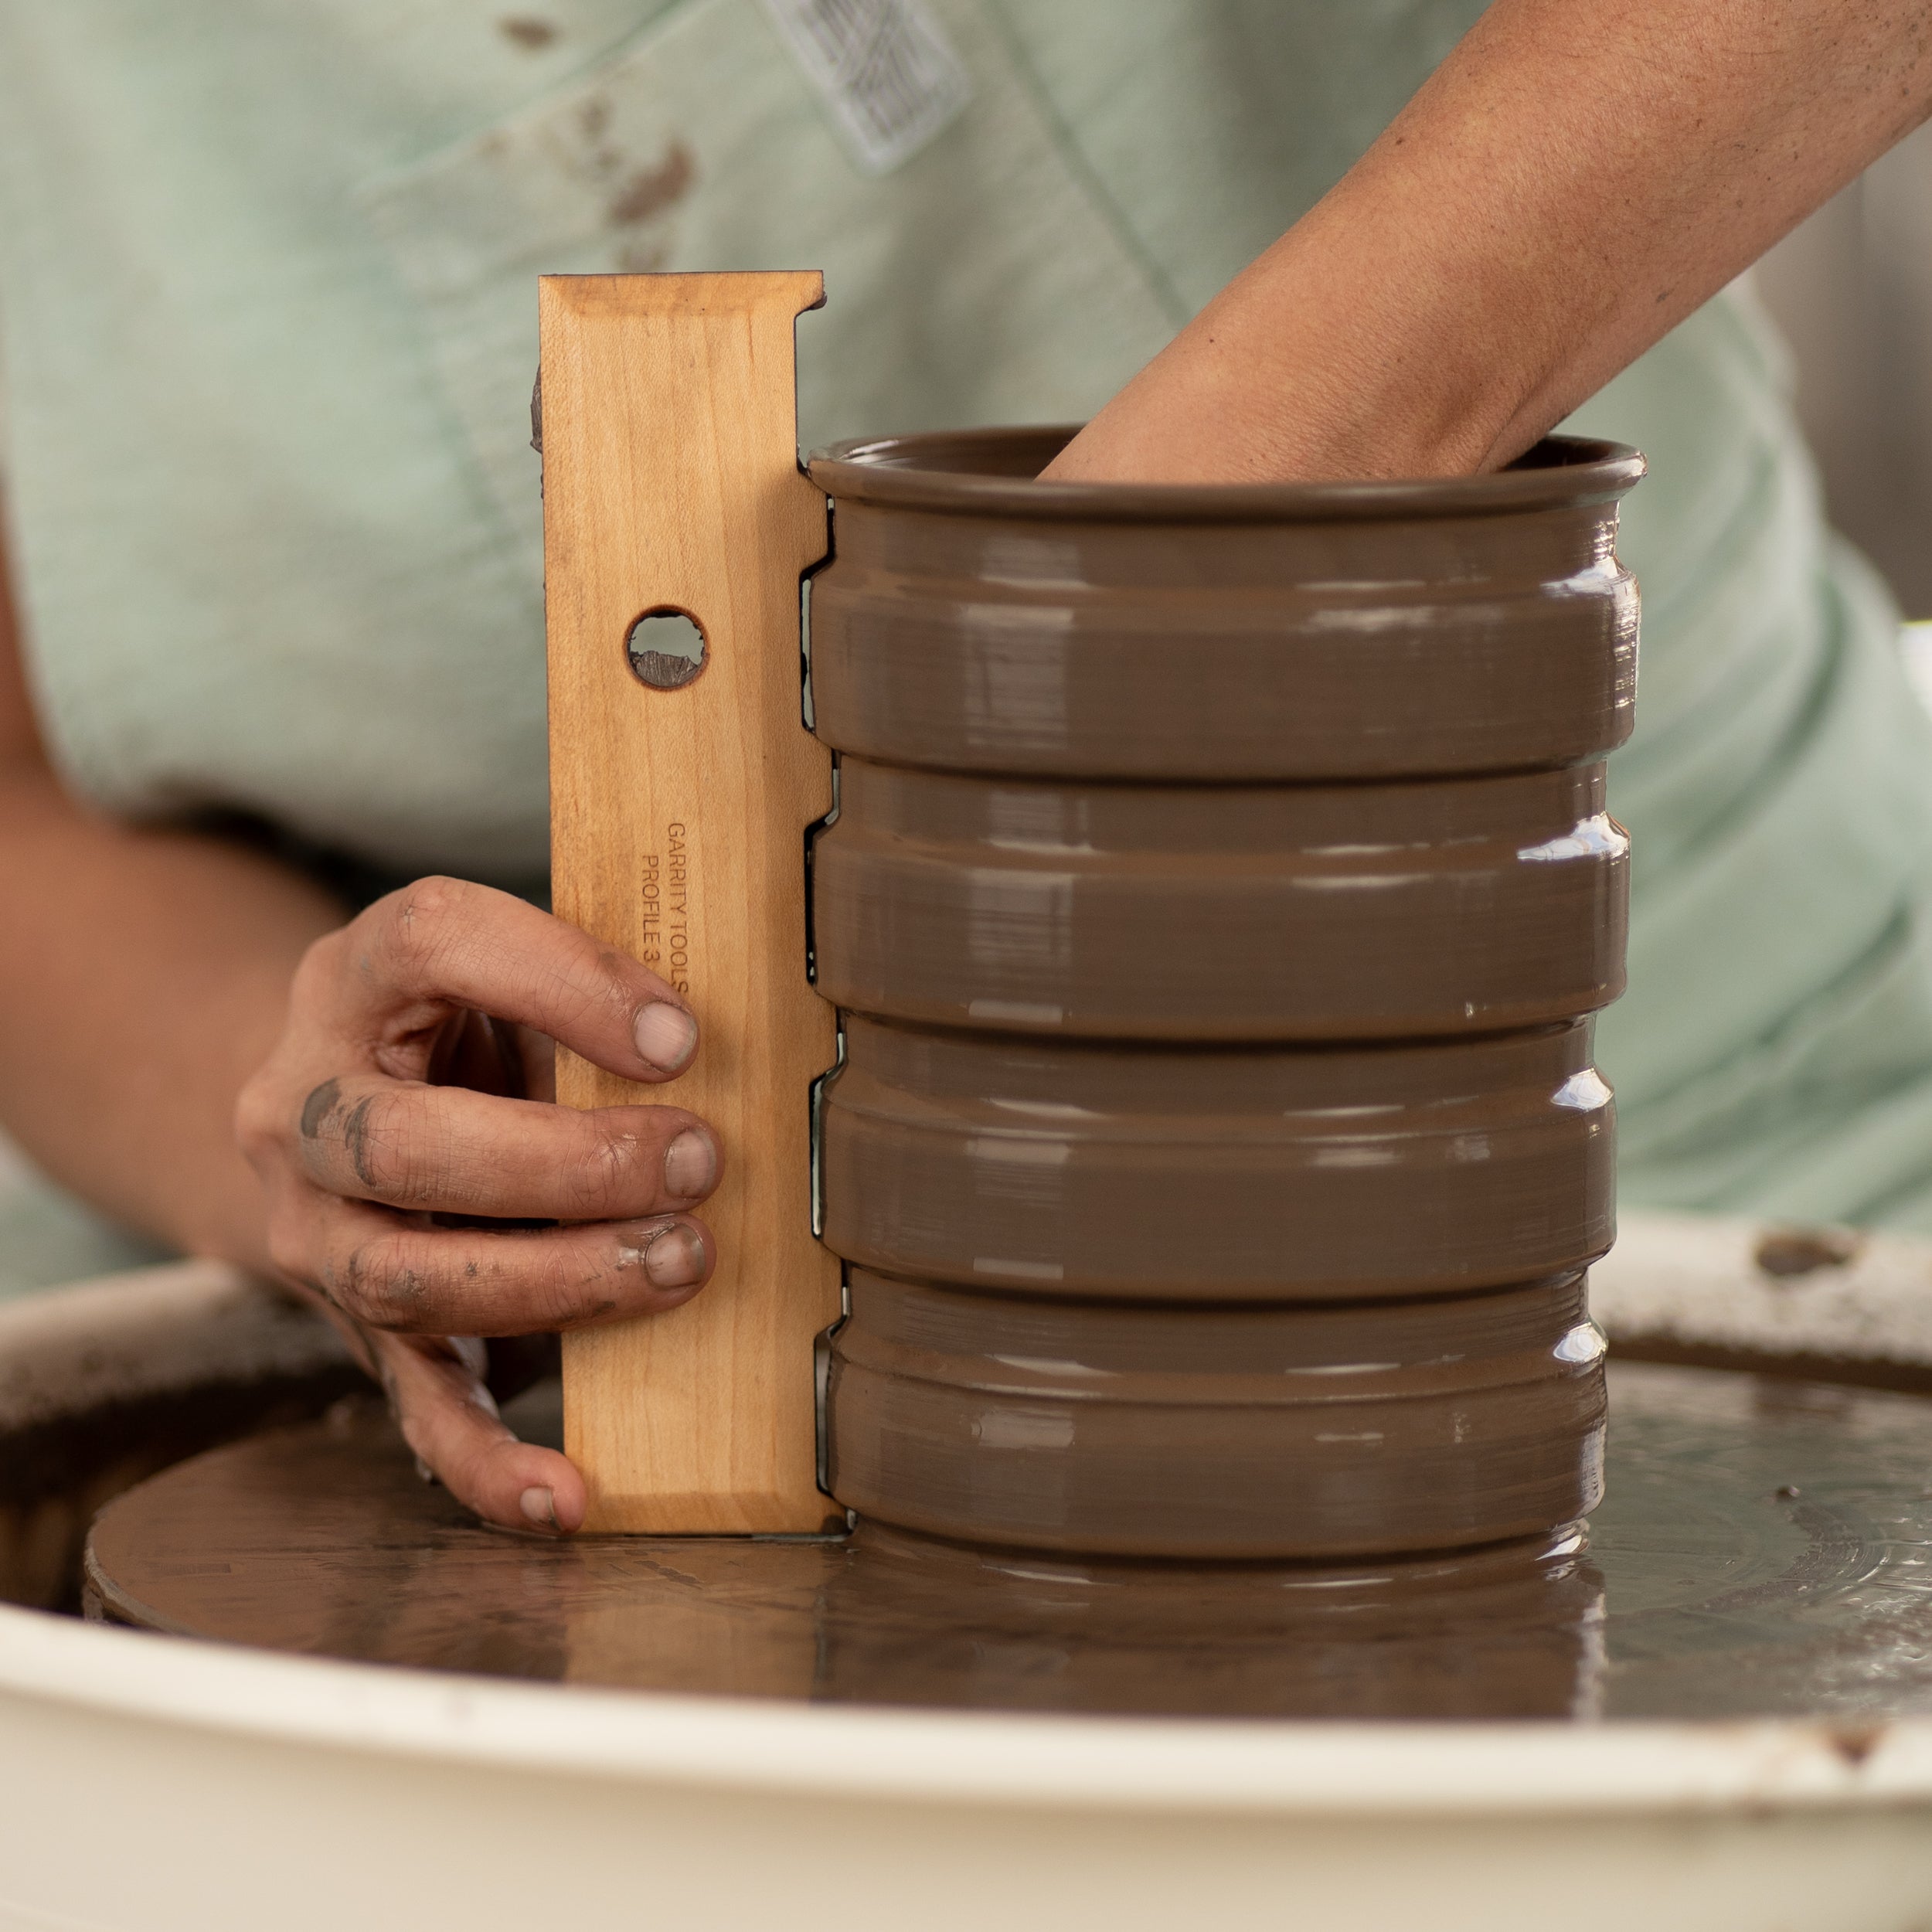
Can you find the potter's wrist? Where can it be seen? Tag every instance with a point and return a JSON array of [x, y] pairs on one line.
[[1405, 416], [1290, 377], [1356, 375]]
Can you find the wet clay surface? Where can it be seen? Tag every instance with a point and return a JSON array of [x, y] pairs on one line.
[[1220, 883], [1204, 913], [1036, 1166], [1766, 1549], [971, 620], [1150, 1429]]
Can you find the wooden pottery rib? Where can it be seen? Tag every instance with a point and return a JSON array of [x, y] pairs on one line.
[[678, 819]]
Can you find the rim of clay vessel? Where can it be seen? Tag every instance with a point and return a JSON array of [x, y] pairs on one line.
[[995, 471]]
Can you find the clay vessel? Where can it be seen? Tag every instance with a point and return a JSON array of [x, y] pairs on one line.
[[1219, 891]]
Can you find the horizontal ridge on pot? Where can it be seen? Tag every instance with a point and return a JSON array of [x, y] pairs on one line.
[[1143, 1430], [1229, 1174], [979, 621], [1205, 913]]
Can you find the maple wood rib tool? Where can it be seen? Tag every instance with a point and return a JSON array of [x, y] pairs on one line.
[[679, 813]]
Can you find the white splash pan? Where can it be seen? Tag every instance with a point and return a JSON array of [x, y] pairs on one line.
[[150, 1783]]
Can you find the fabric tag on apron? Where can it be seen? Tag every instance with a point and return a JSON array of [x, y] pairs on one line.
[[890, 76]]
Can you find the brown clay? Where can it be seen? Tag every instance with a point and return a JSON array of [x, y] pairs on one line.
[[1224, 1175], [1220, 883], [1195, 913], [974, 620], [56, 1474], [1145, 1429]]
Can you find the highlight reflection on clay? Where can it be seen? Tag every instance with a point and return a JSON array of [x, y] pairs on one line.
[[1221, 885]]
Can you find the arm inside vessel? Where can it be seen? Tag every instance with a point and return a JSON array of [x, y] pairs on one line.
[[1575, 179]]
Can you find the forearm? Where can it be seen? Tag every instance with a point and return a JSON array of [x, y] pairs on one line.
[[145, 977], [1574, 180], [142, 977]]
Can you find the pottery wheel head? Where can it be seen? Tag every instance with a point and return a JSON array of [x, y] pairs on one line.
[[1765, 1548]]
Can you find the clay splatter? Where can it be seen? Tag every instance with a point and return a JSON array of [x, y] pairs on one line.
[[1788, 1253], [636, 195], [650, 191], [527, 31], [1855, 1743]]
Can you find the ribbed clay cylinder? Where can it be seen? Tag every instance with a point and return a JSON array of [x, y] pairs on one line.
[[1219, 894]]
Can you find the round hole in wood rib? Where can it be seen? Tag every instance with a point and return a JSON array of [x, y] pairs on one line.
[[666, 648]]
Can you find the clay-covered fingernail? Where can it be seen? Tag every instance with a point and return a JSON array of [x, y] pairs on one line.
[[538, 1507], [674, 1256], [667, 1036], [690, 1165]]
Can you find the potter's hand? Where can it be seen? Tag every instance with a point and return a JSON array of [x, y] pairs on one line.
[[393, 1100]]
